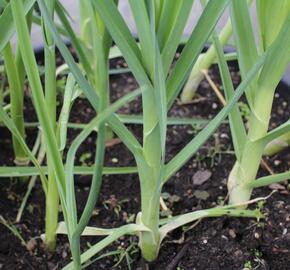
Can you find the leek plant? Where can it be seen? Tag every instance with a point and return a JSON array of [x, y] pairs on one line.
[[150, 61], [274, 27], [55, 137], [16, 102], [15, 74], [52, 197], [207, 59]]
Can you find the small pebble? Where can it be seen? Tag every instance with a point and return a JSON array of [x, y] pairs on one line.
[[224, 136], [130, 80], [115, 160], [277, 162], [238, 253], [31, 245], [232, 234], [224, 237], [214, 106], [64, 254]]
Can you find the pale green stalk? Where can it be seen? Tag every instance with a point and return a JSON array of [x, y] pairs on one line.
[[16, 75], [245, 169], [149, 173], [16, 101], [86, 22], [158, 10], [18, 57], [38, 96], [270, 22], [52, 198], [154, 129]]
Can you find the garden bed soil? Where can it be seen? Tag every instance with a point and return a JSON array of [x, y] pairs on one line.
[[216, 243]]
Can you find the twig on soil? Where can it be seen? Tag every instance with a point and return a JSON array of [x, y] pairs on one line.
[[267, 167], [194, 101], [173, 264], [113, 142], [214, 87], [255, 200]]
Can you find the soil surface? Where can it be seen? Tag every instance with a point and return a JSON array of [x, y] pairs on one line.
[[217, 243]]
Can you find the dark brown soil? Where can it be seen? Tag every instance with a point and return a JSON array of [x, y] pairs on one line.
[[221, 243]]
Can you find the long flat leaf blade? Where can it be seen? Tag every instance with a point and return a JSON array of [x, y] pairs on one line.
[[73, 39], [188, 151], [245, 42], [123, 38], [7, 23], [142, 21], [236, 123], [16, 171], [172, 40], [193, 47]]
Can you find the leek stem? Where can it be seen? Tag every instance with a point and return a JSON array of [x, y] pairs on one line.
[[204, 62], [52, 198], [149, 174], [16, 101]]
